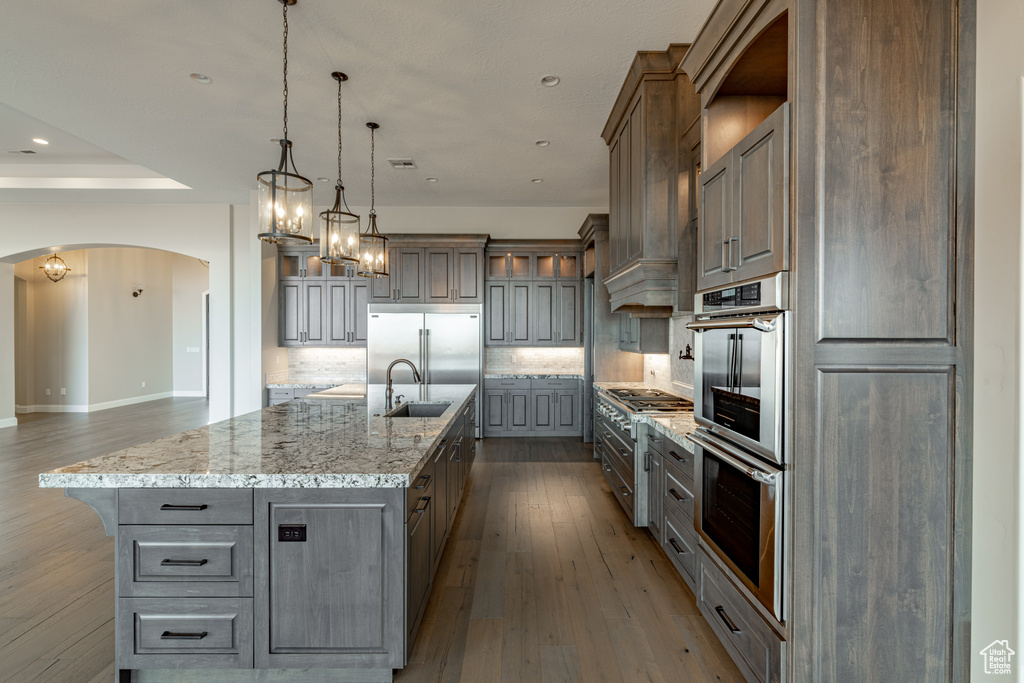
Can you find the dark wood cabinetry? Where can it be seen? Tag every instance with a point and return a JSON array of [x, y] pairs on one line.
[[649, 209], [882, 262], [319, 305]]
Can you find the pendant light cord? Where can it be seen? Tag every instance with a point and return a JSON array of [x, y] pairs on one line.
[[372, 170], [285, 6], [339, 131]]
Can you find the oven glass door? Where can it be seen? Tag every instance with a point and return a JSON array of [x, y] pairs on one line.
[[739, 515], [738, 377]]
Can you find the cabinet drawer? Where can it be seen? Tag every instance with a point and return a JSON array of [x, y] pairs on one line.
[[162, 561], [286, 394], [680, 545], [618, 455], [678, 496], [678, 458], [753, 645], [620, 487], [568, 384], [189, 633], [419, 486], [497, 383], [184, 506], [655, 440]]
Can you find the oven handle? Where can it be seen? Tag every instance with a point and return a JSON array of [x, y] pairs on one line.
[[760, 473], [762, 323]]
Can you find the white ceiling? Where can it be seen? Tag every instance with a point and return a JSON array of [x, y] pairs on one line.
[[455, 84]]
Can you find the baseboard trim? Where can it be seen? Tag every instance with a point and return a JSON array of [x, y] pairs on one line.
[[93, 407], [189, 394], [8, 422]]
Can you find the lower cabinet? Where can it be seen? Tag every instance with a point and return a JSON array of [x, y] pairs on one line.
[[302, 578], [532, 407]]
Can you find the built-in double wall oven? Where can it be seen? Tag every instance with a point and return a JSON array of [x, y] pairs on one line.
[[740, 407]]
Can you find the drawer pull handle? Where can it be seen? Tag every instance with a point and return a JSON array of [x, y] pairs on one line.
[[675, 546], [424, 502], [625, 491], [676, 495], [728, 622], [167, 507], [677, 456], [607, 468], [170, 635], [183, 563], [426, 480]]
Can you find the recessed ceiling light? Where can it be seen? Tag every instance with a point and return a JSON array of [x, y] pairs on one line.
[[542, 143], [324, 180], [431, 180], [200, 78], [537, 180], [40, 141], [550, 81]]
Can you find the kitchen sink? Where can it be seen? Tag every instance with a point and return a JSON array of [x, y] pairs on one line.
[[418, 410]]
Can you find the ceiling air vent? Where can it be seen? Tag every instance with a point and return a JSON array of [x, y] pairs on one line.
[[20, 151], [402, 163]]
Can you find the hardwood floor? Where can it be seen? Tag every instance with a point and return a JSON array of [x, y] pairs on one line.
[[543, 578], [56, 565]]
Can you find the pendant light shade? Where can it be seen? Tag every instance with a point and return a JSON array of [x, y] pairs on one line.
[[55, 268], [285, 197], [373, 246], [339, 227]]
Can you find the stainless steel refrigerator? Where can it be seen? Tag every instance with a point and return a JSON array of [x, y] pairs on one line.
[[444, 342]]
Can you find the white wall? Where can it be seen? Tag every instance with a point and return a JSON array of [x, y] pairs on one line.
[[221, 234], [129, 337], [190, 278], [57, 337], [24, 348], [996, 566], [7, 374]]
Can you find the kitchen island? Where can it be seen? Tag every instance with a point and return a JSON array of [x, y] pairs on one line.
[[296, 543]]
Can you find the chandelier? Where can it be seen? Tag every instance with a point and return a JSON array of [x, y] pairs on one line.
[[55, 268], [339, 228], [373, 246]]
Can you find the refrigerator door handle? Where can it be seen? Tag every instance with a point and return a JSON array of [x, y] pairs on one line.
[[426, 356]]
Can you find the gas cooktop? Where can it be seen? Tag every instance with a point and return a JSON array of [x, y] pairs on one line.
[[651, 401]]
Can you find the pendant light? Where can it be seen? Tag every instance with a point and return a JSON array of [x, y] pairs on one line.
[[285, 197], [55, 268], [373, 246], [339, 228]]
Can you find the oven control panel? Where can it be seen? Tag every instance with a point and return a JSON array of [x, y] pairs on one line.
[[767, 294]]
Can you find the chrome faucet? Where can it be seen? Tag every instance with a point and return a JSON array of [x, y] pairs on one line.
[[389, 391]]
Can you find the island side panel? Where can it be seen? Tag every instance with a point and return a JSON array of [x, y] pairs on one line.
[[336, 599]]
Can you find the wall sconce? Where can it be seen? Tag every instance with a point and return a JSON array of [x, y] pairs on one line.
[[136, 292]]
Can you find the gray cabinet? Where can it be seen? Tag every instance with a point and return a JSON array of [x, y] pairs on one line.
[[508, 312], [439, 273], [744, 210], [347, 311], [656, 107], [534, 313], [532, 407], [319, 305]]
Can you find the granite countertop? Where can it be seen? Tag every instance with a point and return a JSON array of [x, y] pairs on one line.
[[315, 384], [514, 375], [321, 442], [675, 427]]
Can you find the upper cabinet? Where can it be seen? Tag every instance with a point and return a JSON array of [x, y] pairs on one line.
[[743, 162], [650, 140], [432, 269]]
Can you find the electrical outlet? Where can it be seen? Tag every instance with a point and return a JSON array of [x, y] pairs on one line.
[[47, 392], [63, 391], [277, 359], [143, 384]]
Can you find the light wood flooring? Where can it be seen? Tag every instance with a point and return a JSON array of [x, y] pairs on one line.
[[543, 578]]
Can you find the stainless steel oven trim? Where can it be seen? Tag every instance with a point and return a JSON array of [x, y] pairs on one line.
[[772, 358], [770, 534]]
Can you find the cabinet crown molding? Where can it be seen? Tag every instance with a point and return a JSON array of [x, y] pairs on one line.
[[658, 65]]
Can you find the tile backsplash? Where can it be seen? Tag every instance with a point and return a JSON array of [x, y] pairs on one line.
[[531, 361], [308, 364]]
